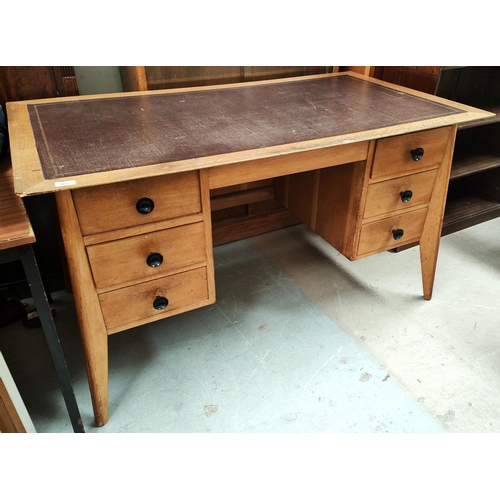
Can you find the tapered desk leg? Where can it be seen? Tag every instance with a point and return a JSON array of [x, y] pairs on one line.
[[95, 346], [91, 322], [431, 234], [49, 329], [428, 259]]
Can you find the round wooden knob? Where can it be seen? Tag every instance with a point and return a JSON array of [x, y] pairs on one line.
[[406, 196], [154, 259], [416, 154], [160, 303], [145, 205], [397, 234]]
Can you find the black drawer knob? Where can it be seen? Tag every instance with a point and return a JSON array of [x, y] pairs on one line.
[[145, 205], [154, 259], [160, 303], [416, 154], [406, 196], [397, 234]]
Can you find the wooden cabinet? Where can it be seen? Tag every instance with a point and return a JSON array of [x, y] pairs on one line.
[[18, 83], [375, 205], [149, 251], [474, 188]]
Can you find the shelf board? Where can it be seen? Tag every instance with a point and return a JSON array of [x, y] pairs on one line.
[[484, 121], [238, 228], [462, 213], [472, 161], [467, 211]]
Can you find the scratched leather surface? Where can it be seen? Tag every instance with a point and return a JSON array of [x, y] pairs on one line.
[[97, 135]]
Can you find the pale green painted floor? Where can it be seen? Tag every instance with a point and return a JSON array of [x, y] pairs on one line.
[[300, 341]]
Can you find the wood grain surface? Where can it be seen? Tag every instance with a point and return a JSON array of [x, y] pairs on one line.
[[15, 227]]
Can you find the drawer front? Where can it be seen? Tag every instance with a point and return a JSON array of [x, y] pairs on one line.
[[115, 206], [147, 255], [136, 304], [393, 155], [402, 193], [378, 236]]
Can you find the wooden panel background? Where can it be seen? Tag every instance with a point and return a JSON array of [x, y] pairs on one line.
[[38, 82], [423, 78]]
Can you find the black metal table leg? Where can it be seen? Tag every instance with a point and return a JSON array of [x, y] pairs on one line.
[[49, 328]]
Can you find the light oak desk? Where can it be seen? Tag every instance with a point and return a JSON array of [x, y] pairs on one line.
[[364, 163]]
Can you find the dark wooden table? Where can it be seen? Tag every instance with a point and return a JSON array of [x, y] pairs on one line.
[[16, 239]]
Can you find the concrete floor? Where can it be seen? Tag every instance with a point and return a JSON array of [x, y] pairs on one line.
[[300, 341]]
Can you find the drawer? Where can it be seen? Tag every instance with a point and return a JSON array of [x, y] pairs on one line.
[[393, 155], [136, 304], [378, 236], [116, 206], [147, 255], [402, 193]]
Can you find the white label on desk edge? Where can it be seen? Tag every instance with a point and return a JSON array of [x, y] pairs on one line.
[[65, 183]]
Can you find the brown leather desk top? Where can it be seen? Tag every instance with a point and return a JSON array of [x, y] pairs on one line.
[[97, 135], [75, 142]]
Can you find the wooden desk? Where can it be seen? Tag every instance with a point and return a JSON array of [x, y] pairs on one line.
[[16, 238], [364, 163]]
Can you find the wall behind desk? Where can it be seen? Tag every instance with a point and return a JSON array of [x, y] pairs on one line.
[[98, 79]]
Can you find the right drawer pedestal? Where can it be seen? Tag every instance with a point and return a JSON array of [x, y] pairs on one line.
[[375, 205]]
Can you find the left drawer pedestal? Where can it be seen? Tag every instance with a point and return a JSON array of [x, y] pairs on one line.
[[140, 261]]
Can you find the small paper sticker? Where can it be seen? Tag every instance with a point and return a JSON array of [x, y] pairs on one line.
[[65, 183]]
